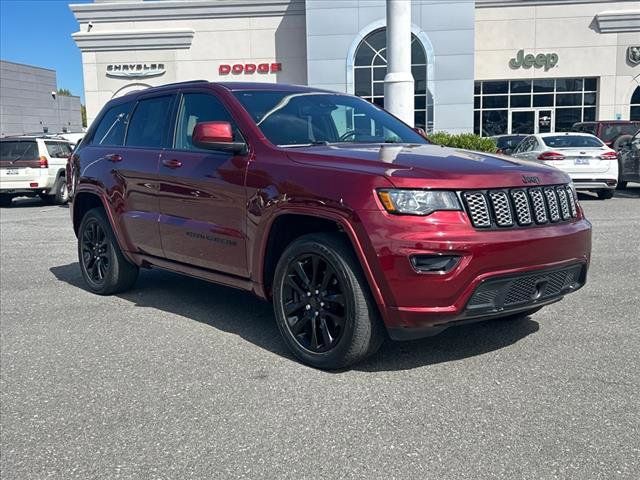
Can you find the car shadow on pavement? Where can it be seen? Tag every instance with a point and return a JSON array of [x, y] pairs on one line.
[[245, 315], [30, 202]]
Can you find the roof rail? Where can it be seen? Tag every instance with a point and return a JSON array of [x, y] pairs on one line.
[[187, 82]]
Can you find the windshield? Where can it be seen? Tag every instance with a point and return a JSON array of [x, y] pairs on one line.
[[18, 150], [572, 141], [293, 119]]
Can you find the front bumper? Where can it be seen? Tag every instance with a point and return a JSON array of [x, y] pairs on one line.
[[420, 304]]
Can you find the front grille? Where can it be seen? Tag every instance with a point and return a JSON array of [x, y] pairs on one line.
[[504, 293], [520, 207]]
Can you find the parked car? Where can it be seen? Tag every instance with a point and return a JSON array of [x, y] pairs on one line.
[[507, 143], [349, 221], [629, 160], [33, 166], [585, 158], [609, 131]]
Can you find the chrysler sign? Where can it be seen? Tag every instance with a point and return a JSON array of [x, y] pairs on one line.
[[249, 68], [135, 70]]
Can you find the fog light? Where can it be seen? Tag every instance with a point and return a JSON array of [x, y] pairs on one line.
[[434, 263]]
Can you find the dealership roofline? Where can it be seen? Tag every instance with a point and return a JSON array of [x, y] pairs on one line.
[[178, 10], [534, 3]]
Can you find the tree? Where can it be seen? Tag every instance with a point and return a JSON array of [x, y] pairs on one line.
[[65, 92], [83, 112]]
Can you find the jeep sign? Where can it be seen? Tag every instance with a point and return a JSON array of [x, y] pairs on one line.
[[546, 60]]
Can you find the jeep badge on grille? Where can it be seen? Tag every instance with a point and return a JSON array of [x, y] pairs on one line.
[[530, 179]]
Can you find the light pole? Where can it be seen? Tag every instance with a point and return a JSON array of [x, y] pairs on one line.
[[398, 83]]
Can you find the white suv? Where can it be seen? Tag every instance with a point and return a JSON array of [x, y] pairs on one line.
[[589, 162], [33, 166]]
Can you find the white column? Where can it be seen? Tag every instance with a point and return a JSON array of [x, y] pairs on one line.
[[398, 83]]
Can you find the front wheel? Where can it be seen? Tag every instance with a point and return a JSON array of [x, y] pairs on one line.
[[322, 303], [103, 267], [605, 194]]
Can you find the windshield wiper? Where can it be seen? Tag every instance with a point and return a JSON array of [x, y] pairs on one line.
[[310, 144]]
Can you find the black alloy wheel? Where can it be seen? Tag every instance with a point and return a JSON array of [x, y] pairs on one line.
[[105, 269], [314, 303], [322, 303], [96, 254]]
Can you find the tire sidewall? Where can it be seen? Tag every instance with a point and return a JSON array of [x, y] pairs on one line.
[[112, 274], [342, 269], [61, 195]]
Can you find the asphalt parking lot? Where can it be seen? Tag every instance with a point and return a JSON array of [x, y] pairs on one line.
[[182, 379]]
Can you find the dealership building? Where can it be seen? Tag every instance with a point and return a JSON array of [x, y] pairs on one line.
[[487, 66]]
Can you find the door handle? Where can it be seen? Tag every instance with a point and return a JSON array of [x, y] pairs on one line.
[[114, 157], [172, 163]]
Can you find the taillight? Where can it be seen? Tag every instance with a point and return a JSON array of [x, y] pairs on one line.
[[550, 156], [44, 163], [609, 156]]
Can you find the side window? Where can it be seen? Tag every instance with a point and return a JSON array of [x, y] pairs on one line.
[[149, 123], [58, 149], [196, 108], [110, 130], [534, 144], [523, 147]]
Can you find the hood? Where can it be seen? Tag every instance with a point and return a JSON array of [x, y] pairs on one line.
[[410, 165]]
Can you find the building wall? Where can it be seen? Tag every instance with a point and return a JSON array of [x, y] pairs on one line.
[[576, 31], [191, 42], [334, 29], [27, 105]]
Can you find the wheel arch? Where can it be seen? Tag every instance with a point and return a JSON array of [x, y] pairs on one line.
[[85, 199], [306, 221]]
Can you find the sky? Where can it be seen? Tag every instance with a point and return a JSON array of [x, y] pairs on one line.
[[38, 32]]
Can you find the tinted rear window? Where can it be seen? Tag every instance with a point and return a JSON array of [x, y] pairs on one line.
[[110, 130], [509, 142], [149, 123], [613, 131], [571, 141], [20, 150]]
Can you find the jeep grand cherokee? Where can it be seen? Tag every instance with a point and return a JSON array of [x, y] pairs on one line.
[[347, 219]]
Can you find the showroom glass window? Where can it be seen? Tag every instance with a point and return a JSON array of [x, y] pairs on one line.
[[370, 68], [533, 105], [635, 105]]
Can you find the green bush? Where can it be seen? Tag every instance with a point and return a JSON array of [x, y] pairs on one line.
[[467, 141]]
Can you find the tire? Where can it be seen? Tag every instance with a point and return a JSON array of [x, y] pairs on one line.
[[104, 268], [621, 183], [605, 194], [5, 200], [59, 194], [352, 329]]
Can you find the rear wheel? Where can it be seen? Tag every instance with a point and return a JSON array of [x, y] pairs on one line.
[[104, 268], [5, 200], [58, 194], [322, 303], [621, 183], [605, 194]]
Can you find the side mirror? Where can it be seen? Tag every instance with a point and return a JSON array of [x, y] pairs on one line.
[[420, 132], [216, 136]]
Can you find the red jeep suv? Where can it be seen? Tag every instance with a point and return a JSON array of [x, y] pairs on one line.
[[347, 219]]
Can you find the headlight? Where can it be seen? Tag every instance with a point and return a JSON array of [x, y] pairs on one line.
[[418, 202]]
